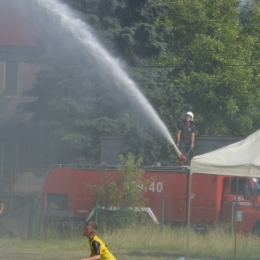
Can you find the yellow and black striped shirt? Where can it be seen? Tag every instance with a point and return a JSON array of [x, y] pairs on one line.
[[98, 247]]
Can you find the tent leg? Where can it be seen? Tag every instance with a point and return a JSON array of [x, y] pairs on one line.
[[235, 221], [188, 217]]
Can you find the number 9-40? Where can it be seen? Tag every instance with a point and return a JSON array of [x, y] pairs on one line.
[[156, 187]]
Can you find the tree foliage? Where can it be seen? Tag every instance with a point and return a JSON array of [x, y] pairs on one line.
[[76, 99], [212, 56], [247, 9], [125, 191], [130, 32], [198, 55]]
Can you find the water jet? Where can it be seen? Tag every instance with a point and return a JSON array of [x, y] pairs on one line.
[[82, 33]]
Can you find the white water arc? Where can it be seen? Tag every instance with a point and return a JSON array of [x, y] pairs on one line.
[[82, 32]]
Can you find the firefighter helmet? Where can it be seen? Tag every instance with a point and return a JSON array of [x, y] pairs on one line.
[[190, 114]]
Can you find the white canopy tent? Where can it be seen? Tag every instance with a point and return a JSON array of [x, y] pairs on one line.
[[238, 159]]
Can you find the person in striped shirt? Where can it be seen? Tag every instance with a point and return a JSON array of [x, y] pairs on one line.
[[99, 250]]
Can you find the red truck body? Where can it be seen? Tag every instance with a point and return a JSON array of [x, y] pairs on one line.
[[65, 194]]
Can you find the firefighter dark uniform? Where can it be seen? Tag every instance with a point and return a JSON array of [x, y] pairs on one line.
[[185, 138]]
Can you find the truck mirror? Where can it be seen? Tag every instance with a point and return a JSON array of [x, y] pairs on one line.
[[246, 192]]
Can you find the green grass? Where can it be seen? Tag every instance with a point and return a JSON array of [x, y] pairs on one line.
[[136, 243]]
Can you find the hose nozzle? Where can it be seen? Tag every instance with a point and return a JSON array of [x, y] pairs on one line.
[[182, 159]]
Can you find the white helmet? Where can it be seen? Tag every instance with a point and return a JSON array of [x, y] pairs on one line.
[[190, 114]]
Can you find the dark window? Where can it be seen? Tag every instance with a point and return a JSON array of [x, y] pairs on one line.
[[11, 74], [57, 202], [241, 186]]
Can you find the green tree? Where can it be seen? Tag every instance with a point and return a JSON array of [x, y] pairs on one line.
[[131, 33], [212, 56], [77, 101], [246, 9], [74, 105], [252, 32], [125, 191], [72, 111]]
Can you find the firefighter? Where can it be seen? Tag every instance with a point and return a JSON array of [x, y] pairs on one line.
[[186, 135]]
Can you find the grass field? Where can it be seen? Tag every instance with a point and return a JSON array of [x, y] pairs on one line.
[[142, 243]]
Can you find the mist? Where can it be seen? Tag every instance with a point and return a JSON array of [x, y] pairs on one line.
[[75, 84]]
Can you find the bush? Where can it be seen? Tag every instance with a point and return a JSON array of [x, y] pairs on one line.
[[125, 192]]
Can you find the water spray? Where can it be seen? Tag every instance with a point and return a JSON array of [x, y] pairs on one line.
[[82, 33]]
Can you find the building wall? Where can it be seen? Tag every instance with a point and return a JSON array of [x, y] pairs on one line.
[[18, 36], [15, 79], [206, 144], [111, 146]]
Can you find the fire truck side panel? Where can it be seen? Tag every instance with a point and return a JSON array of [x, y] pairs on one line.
[[72, 185], [206, 197], [81, 200], [169, 188], [65, 193], [55, 190]]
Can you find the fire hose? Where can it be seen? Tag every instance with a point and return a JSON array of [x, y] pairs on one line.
[[181, 157]]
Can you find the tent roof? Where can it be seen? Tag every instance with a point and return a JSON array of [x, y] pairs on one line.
[[238, 159]]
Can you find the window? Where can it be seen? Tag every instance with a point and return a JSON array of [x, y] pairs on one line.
[[57, 202], [241, 186]]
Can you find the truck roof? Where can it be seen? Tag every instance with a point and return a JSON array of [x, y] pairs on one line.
[[184, 168]]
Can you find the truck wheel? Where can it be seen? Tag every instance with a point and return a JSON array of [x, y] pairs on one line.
[[256, 229]]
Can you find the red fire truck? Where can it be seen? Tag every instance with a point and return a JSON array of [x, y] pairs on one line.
[[212, 198]]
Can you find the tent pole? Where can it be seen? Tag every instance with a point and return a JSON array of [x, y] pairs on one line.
[[188, 216], [235, 220]]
